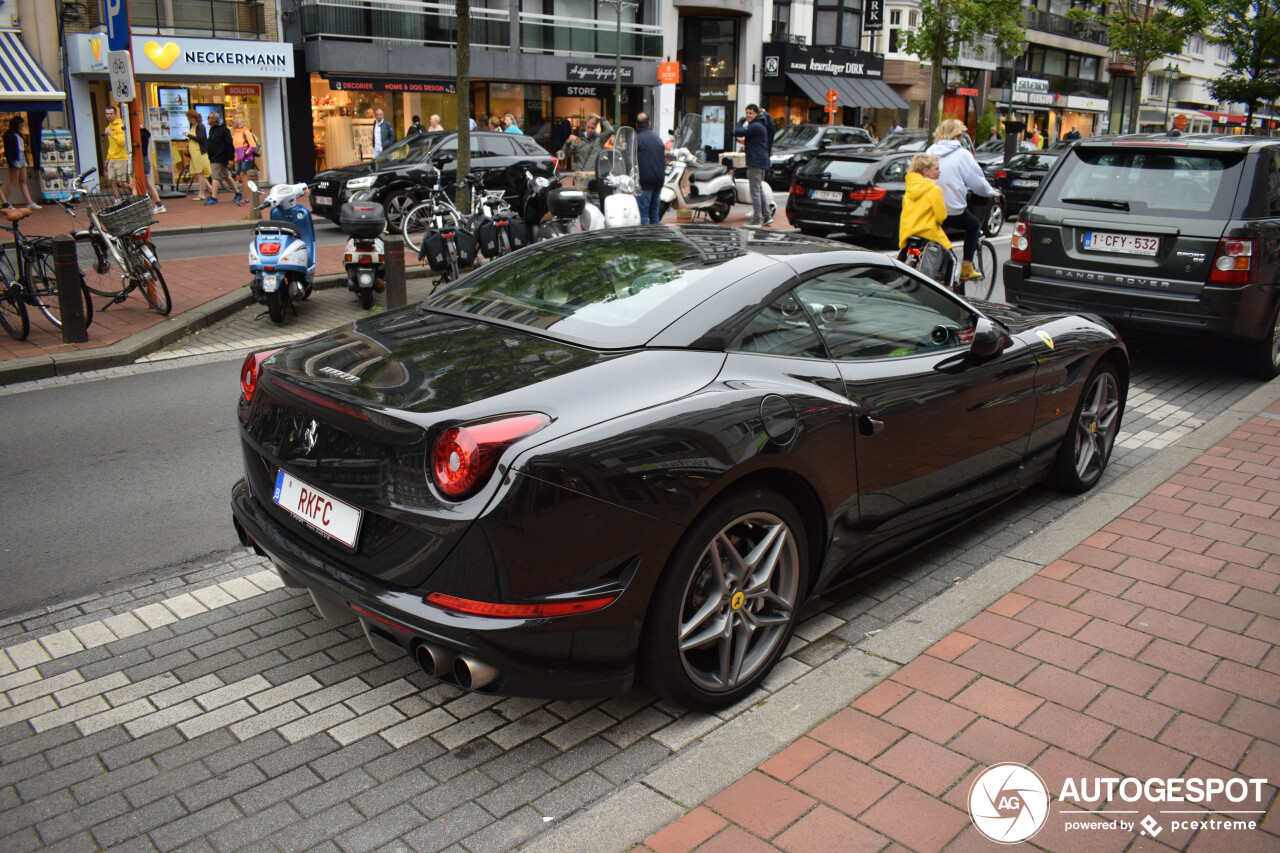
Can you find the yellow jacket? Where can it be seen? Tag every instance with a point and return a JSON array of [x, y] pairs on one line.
[[923, 211], [115, 141]]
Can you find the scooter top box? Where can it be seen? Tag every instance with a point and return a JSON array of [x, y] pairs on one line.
[[363, 220], [566, 203]]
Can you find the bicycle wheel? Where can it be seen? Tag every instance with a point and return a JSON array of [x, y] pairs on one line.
[[415, 223], [100, 274], [43, 291], [985, 262], [13, 306], [153, 286]]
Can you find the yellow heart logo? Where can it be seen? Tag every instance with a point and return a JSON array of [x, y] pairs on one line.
[[96, 46], [163, 57]]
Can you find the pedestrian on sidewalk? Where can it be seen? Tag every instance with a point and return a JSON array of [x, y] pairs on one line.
[[383, 133], [16, 160], [416, 127], [246, 150], [117, 155], [510, 126], [156, 206], [198, 151], [222, 154], [651, 162], [756, 142], [434, 125]]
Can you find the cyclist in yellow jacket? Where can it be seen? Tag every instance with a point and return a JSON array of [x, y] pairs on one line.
[[923, 210]]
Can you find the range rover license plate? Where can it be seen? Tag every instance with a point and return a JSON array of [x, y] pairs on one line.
[[1124, 244], [321, 511]]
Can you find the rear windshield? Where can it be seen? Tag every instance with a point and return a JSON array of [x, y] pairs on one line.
[[902, 142], [1158, 182], [837, 169], [608, 292], [1032, 162]]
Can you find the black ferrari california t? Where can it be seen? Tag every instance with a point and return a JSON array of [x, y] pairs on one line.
[[637, 454]]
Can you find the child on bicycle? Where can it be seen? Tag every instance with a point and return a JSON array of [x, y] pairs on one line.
[[924, 211]]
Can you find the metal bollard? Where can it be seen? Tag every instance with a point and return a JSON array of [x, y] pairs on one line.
[[393, 272], [71, 294]]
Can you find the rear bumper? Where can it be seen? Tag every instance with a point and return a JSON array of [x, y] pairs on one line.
[[1245, 313], [584, 656]]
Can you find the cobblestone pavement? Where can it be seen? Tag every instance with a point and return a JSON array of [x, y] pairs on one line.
[[212, 709]]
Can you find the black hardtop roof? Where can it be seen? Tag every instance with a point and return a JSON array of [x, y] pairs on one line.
[[1200, 141]]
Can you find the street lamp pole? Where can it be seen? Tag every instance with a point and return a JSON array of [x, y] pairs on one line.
[[1170, 72], [617, 57]]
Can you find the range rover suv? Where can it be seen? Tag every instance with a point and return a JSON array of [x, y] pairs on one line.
[[1177, 234]]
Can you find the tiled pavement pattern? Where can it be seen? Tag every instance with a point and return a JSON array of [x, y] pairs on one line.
[[244, 720], [1149, 650]]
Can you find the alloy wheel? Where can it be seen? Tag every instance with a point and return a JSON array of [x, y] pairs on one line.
[[1097, 426]]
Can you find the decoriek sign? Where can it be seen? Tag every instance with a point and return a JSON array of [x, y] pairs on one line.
[[185, 58]]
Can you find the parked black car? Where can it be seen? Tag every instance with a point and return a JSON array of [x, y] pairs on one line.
[[640, 454], [1175, 234], [914, 140], [860, 193], [392, 176], [990, 154], [793, 146], [1018, 181]]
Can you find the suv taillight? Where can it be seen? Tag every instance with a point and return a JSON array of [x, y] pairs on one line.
[[796, 189], [1000, 175], [1020, 245], [868, 194], [1234, 263]]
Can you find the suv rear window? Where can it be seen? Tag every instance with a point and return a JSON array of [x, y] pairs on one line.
[[841, 170], [1159, 182]]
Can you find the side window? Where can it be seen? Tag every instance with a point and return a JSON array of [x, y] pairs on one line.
[[496, 146], [881, 312], [829, 136], [783, 328], [897, 170]]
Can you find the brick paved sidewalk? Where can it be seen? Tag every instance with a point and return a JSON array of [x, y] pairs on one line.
[[1147, 651]]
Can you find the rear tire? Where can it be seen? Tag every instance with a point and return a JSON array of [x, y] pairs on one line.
[[366, 298], [1261, 359], [398, 206], [44, 282], [275, 306], [1091, 435], [100, 274], [154, 289], [985, 262], [718, 212], [13, 308], [725, 607], [663, 207], [995, 218]]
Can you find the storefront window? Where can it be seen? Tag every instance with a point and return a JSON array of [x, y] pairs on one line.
[[166, 117], [342, 121]]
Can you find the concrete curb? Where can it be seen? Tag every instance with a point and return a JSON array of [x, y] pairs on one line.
[[150, 340], [691, 776]]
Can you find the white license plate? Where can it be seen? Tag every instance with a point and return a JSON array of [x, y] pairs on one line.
[[322, 199], [826, 195], [321, 511], [1125, 244], [270, 282], [1024, 182]]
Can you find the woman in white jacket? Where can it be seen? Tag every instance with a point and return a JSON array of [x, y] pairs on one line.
[[960, 174]]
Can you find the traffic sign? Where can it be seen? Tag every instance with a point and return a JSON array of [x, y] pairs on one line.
[[832, 96], [120, 67]]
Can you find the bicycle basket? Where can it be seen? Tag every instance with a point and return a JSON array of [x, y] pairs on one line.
[[123, 217]]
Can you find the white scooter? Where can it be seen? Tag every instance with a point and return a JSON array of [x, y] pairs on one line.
[[728, 181], [688, 138], [618, 180]]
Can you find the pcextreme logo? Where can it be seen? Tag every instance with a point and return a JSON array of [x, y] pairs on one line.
[[1009, 803]]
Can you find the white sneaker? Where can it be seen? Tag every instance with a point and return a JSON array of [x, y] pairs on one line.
[[768, 222], [159, 208], [32, 206]]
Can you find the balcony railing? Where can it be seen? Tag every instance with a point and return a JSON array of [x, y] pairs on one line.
[[585, 37], [402, 21], [1058, 83], [200, 18], [1061, 25], [970, 57]]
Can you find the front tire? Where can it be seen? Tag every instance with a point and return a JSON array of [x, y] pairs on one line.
[[397, 206], [995, 218], [718, 212], [726, 605], [156, 291], [45, 292], [663, 207], [366, 298], [1086, 448], [13, 311], [275, 307]]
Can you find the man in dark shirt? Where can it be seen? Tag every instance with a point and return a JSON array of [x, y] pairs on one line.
[[222, 153], [651, 157], [756, 141]]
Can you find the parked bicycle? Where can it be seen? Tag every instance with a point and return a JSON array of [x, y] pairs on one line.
[[29, 278], [435, 211], [917, 255], [115, 252]]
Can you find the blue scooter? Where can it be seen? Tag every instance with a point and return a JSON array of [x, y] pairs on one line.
[[282, 254]]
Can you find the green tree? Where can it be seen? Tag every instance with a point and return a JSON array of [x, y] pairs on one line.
[[946, 25], [1145, 31], [1251, 29]]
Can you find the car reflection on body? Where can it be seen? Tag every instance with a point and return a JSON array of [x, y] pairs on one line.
[[636, 455]]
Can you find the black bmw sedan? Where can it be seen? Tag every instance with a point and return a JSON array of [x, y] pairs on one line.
[[1019, 180], [637, 454], [849, 192]]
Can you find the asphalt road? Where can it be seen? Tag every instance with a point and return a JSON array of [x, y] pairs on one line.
[[232, 241], [114, 478]]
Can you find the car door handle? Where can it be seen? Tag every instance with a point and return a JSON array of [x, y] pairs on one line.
[[869, 426]]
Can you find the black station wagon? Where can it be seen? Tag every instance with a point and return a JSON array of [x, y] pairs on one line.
[[1177, 234]]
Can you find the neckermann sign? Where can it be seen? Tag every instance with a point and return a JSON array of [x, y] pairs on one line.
[[783, 58], [185, 58], [579, 73]]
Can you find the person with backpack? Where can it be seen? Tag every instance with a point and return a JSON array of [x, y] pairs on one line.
[[960, 174], [923, 210]]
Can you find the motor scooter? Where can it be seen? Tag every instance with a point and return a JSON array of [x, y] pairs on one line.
[[688, 138], [728, 181], [544, 196], [363, 222], [282, 253], [618, 179]]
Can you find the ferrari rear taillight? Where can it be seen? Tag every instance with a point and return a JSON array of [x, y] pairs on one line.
[[1020, 245], [252, 370], [796, 189], [1234, 263], [536, 610], [463, 456], [867, 194]]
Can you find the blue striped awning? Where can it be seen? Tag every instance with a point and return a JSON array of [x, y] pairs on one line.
[[23, 84]]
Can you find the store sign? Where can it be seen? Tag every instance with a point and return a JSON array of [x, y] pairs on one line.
[[720, 93], [392, 84], [1083, 104], [1031, 84], [967, 93], [668, 72], [772, 66], [579, 91], [873, 16], [242, 90], [1035, 99], [186, 58], [576, 72]]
